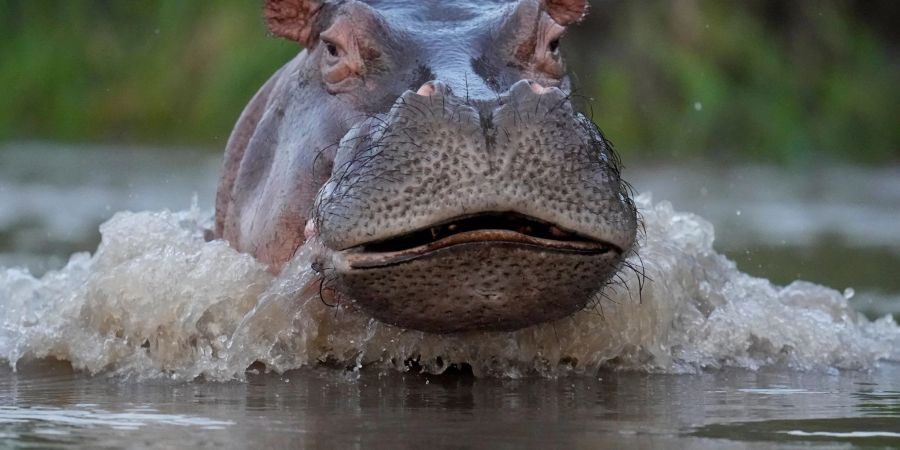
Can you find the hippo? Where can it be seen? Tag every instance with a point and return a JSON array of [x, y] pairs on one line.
[[432, 151]]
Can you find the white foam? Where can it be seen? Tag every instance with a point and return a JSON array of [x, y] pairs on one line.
[[156, 300]]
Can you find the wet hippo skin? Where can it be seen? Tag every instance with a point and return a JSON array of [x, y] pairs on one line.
[[431, 151]]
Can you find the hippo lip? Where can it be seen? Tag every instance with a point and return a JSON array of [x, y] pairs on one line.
[[485, 228]]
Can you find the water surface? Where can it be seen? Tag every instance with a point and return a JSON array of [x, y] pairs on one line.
[[51, 406]]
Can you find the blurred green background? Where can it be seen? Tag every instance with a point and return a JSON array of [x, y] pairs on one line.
[[770, 81]]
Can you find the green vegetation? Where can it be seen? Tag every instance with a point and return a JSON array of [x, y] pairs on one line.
[[791, 82], [784, 81], [168, 72]]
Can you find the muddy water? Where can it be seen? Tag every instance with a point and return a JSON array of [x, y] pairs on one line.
[[50, 407], [704, 355]]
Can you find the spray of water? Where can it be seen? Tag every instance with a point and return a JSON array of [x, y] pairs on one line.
[[156, 300]]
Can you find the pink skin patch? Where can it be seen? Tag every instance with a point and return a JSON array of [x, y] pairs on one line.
[[310, 230], [537, 88], [427, 90]]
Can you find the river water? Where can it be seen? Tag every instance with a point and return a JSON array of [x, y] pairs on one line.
[[146, 340]]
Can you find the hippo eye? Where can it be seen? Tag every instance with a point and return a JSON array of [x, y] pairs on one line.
[[554, 46], [331, 48]]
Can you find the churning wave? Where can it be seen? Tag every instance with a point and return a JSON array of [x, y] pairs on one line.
[[158, 301]]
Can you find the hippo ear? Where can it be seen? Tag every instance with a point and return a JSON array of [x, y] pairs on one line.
[[566, 12], [293, 19]]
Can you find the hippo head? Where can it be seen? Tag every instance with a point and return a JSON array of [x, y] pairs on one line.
[[451, 184]]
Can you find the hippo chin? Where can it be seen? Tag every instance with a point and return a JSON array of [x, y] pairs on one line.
[[431, 148]]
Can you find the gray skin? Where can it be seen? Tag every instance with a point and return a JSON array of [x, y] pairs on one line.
[[431, 148]]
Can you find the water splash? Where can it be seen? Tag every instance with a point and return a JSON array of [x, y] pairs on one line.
[[156, 300]]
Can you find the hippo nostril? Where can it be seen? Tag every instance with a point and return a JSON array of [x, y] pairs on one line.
[[524, 89]]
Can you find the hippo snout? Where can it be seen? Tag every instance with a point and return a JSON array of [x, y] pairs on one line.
[[448, 215]]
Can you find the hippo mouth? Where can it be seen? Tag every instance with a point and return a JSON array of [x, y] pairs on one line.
[[483, 228]]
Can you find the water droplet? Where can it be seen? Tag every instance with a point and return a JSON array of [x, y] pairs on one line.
[[698, 106], [738, 212], [849, 293]]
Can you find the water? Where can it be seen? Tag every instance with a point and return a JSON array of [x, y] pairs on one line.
[[49, 405], [805, 223], [703, 355]]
